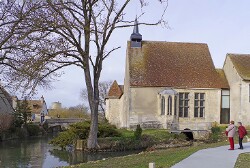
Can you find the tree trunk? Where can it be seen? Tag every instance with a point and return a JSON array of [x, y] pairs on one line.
[[92, 139], [93, 96]]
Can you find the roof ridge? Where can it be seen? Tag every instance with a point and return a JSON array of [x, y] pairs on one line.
[[237, 54], [178, 42]]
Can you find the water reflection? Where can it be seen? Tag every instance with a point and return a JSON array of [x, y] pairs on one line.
[[37, 153]]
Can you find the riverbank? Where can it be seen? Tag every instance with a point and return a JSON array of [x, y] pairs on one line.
[[112, 139], [35, 152], [28, 130], [163, 158]]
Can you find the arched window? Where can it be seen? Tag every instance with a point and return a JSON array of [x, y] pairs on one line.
[[169, 105], [162, 105]]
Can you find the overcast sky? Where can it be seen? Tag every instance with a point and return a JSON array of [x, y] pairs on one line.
[[223, 24]]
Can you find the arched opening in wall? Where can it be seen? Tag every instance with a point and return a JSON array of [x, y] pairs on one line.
[[189, 134]]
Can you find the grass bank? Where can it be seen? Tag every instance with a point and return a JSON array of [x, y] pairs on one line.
[[162, 158], [243, 161], [112, 139]]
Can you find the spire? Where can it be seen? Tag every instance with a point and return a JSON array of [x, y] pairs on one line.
[[136, 37], [136, 27]]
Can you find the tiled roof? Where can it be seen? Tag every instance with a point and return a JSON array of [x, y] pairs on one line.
[[223, 77], [34, 105], [172, 64], [115, 91], [241, 63]]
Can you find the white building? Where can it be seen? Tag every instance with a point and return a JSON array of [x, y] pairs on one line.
[[176, 85]]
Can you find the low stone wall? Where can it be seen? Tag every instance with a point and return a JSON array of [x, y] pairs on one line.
[[174, 144], [147, 125], [201, 135]]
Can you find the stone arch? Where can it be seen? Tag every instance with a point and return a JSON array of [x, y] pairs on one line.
[[189, 135]]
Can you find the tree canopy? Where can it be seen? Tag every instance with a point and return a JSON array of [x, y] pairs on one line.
[[41, 37]]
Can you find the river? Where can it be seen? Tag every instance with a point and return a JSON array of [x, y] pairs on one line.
[[37, 153]]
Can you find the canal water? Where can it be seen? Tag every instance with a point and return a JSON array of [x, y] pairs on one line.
[[37, 153]]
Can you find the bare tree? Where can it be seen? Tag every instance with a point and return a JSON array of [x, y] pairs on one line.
[[63, 34], [17, 53], [104, 87]]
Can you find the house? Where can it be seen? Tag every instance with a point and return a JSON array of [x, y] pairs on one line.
[[39, 110], [175, 85], [5, 102], [237, 71]]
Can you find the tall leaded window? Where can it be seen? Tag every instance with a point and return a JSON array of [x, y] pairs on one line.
[[199, 105], [162, 105], [225, 107], [169, 105], [183, 104], [175, 105]]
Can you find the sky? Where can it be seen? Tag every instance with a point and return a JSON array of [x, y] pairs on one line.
[[223, 25]]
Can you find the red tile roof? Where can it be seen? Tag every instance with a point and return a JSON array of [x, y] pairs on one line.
[[172, 64], [223, 77], [34, 105], [241, 63], [115, 91]]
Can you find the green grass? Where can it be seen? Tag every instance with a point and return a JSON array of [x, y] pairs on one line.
[[162, 158], [158, 134], [243, 161], [126, 133]]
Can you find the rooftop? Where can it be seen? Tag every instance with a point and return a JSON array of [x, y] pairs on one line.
[[115, 91], [241, 63], [173, 64]]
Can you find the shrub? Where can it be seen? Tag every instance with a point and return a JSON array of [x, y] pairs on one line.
[[215, 130], [107, 130], [64, 139], [214, 137], [21, 133], [81, 131], [138, 132], [33, 130], [215, 133]]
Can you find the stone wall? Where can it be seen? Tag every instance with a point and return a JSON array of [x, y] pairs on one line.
[[145, 107], [114, 108], [239, 94], [5, 105]]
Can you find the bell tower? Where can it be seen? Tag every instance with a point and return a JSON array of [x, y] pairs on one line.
[[136, 37]]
